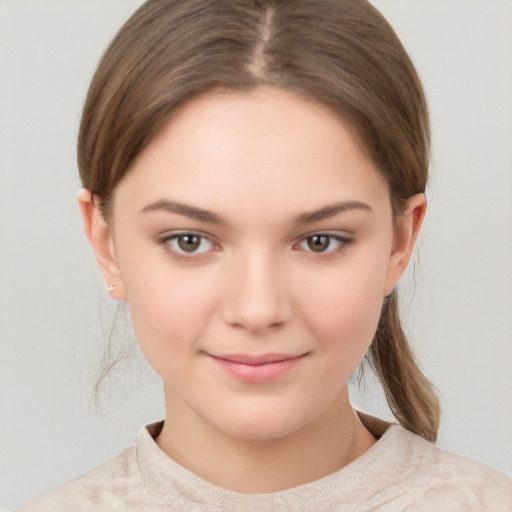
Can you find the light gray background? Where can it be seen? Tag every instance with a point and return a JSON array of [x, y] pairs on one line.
[[51, 296]]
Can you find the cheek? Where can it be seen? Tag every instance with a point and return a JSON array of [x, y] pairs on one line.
[[169, 307], [344, 307]]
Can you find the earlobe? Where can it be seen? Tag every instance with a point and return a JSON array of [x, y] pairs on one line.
[[407, 228], [98, 233]]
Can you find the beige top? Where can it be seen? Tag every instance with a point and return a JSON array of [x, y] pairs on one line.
[[401, 472]]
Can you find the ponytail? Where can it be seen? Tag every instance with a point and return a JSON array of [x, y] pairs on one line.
[[411, 397]]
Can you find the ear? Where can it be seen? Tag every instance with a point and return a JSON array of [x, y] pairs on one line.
[[407, 228], [99, 236]]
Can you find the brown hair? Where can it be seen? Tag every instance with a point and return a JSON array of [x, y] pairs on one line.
[[340, 53]]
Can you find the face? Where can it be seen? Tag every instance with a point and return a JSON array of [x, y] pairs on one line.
[[254, 243]]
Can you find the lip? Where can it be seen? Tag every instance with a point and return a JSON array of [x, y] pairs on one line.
[[257, 369]]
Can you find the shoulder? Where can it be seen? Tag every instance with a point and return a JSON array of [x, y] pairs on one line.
[[483, 487], [446, 481], [115, 485]]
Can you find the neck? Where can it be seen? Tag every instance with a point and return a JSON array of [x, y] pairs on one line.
[[331, 441]]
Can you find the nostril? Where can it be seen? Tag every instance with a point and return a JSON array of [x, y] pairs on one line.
[[270, 316], [256, 297]]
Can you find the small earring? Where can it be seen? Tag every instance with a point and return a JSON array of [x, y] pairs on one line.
[[112, 288]]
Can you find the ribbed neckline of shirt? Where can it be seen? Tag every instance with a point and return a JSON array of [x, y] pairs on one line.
[[357, 485]]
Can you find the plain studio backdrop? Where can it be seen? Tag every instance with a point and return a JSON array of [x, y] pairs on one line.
[[54, 310]]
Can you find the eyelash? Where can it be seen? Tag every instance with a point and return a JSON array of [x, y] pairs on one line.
[[180, 255], [342, 240]]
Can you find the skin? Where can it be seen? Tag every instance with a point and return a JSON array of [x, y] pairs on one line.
[[259, 163]]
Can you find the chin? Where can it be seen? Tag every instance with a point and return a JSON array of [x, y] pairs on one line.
[[262, 424]]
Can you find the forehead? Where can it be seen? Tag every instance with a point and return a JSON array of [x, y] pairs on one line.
[[265, 148]]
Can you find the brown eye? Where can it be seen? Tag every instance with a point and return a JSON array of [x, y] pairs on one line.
[[318, 243], [324, 243], [189, 243]]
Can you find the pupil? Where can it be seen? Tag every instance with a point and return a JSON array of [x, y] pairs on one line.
[[189, 243], [318, 243]]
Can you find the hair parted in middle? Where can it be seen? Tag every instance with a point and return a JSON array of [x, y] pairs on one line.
[[341, 54]]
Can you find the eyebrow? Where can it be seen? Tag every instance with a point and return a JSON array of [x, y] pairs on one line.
[[195, 213], [332, 210], [192, 212]]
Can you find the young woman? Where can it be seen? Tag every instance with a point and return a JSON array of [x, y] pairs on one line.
[[254, 177]]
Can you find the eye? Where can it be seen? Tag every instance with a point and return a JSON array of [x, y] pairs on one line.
[[323, 243], [187, 243]]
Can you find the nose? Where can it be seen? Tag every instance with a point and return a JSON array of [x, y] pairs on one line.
[[257, 296]]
